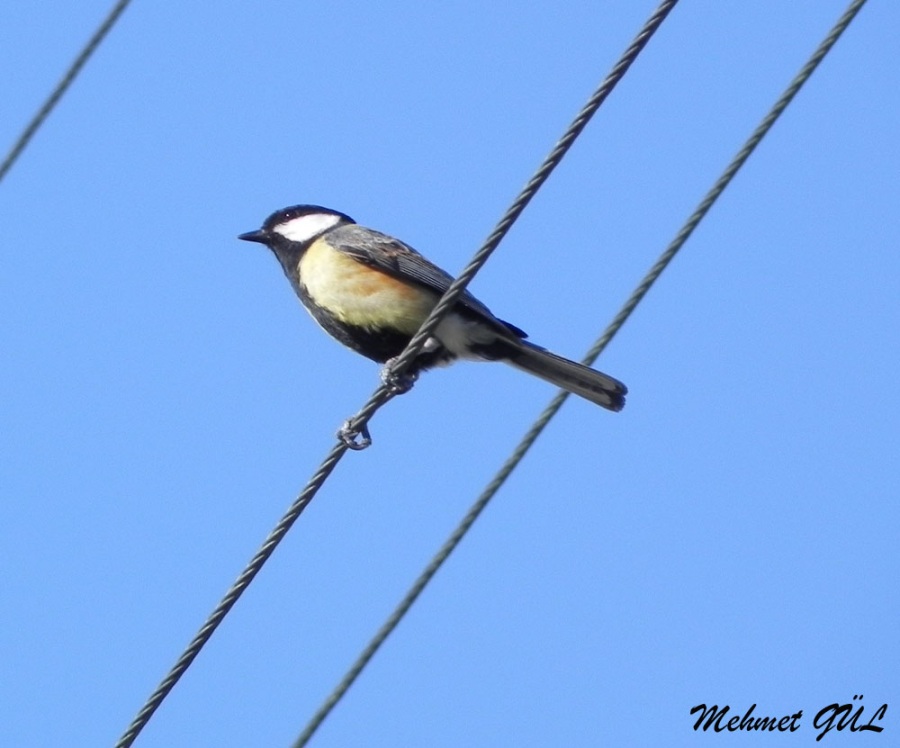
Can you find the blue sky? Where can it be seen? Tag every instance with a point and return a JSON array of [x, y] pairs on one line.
[[729, 538]]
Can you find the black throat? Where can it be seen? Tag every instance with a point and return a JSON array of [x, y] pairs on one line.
[[288, 254]]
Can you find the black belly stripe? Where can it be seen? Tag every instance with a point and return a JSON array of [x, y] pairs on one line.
[[378, 345]]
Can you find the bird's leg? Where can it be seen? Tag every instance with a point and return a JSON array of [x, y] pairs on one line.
[[357, 436]]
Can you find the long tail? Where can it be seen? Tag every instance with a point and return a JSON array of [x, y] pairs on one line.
[[578, 379]]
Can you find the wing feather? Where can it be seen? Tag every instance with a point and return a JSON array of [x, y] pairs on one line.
[[399, 260]]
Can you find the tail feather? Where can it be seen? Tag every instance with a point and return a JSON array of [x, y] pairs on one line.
[[578, 379]]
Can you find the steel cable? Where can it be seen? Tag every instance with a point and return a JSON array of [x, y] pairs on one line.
[[556, 403], [384, 392], [74, 69]]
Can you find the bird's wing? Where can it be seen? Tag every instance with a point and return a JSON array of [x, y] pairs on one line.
[[393, 257]]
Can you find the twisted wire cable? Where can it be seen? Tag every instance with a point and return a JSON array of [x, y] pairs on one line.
[[231, 597], [447, 301], [556, 403], [385, 392], [74, 69]]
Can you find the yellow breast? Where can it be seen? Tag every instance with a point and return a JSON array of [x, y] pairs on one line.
[[359, 295]]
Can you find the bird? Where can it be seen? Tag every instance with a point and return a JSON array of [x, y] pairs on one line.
[[372, 292]]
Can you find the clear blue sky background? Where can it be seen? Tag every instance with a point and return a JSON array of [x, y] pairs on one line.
[[730, 537]]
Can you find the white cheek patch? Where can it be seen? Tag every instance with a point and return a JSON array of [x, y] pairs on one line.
[[304, 228]]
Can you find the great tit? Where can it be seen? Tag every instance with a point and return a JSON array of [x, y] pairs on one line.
[[372, 292]]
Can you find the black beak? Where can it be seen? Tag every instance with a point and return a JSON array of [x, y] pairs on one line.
[[254, 236]]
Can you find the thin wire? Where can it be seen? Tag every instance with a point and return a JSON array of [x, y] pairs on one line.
[[556, 403], [232, 596], [384, 392], [359, 421], [62, 87], [447, 301]]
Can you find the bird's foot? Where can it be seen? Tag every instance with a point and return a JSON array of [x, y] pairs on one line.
[[353, 436], [399, 384]]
